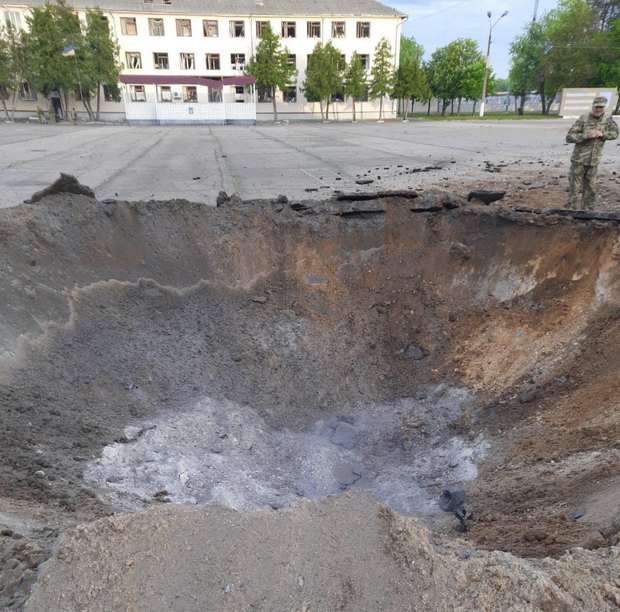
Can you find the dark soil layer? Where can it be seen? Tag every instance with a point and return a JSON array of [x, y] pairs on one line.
[[113, 313]]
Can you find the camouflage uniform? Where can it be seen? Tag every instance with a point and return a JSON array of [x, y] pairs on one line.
[[587, 155]]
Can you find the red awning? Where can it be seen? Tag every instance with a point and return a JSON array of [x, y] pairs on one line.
[[161, 79]]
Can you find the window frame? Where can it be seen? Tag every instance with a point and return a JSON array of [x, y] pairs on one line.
[[310, 25], [205, 26], [358, 29], [337, 24], [285, 93], [233, 28], [183, 22], [186, 54], [237, 65], [259, 28], [156, 21], [139, 58], [160, 96], [286, 29], [187, 100], [128, 20], [161, 53], [213, 55], [133, 93]]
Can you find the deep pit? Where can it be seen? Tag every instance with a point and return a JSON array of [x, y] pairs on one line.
[[263, 353]]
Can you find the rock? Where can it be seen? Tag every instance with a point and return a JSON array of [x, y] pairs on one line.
[[415, 352], [282, 199], [460, 250], [259, 299], [364, 181], [40, 474], [196, 178], [343, 435], [575, 516], [67, 183]]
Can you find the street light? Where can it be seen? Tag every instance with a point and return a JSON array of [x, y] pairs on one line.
[[486, 67]]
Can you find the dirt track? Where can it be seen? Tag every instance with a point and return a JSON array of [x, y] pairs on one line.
[[119, 314]]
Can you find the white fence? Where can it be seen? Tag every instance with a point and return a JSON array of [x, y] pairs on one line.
[[187, 113]]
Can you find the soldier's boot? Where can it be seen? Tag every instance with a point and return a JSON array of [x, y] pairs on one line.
[[575, 180], [589, 187]]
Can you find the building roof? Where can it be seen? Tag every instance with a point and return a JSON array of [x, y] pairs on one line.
[[241, 8]]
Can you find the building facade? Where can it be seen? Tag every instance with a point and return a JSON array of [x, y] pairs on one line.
[[184, 60]]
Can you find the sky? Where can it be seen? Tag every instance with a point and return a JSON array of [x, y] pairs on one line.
[[435, 23]]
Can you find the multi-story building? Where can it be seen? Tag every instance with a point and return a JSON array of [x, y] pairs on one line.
[[184, 60]]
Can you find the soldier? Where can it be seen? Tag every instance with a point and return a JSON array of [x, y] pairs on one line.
[[589, 135]]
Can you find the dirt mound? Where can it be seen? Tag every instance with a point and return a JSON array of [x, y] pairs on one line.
[[152, 351], [346, 553]]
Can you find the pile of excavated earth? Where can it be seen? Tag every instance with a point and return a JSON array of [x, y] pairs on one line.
[[258, 406]]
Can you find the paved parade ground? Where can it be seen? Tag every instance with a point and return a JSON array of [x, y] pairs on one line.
[[303, 160]]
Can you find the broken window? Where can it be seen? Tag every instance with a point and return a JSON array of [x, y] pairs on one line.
[[213, 61], [128, 26], [133, 60], [290, 95], [210, 28], [338, 96], [187, 61], [338, 29], [215, 95], [365, 60], [289, 29], [261, 26], [314, 29], [265, 94], [363, 29], [160, 61], [25, 91], [156, 26], [137, 93], [292, 59], [13, 20], [237, 60], [190, 94], [184, 27], [237, 29], [165, 93]]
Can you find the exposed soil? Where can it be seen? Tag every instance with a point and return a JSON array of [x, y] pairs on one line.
[[121, 314]]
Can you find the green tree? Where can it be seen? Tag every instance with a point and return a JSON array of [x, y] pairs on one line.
[[13, 69], [101, 65], [609, 59], [324, 76], [52, 28], [381, 73], [355, 85], [527, 72], [410, 79], [271, 66]]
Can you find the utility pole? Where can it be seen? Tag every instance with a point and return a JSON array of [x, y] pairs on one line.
[[487, 64], [536, 3]]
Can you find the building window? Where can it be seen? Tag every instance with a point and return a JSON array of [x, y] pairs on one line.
[[184, 27], [290, 95], [190, 94], [237, 29], [13, 20], [260, 28], [338, 29], [111, 93], [187, 61], [160, 61], [165, 93], [365, 59], [239, 90], [343, 61], [128, 26], [289, 29], [237, 61], [213, 61], [265, 94], [314, 29], [215, 95], [168, 2], [25, 91], [156, 26], [292, 59], [210, 28], [338, 97], [364, 96], [133, 60], [137, 93], [363, 29]]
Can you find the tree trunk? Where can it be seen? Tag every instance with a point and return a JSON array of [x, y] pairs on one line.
[[14, 104], [354, 117], [6, 110], [428, 110], [85, 105], [327, 110], [452, 106], [65, 112], [321, 107], [444, 108], [380, 108], [458, 112], [549, 104], [475, 104], [275, 106], [543, 99], [98, 101]]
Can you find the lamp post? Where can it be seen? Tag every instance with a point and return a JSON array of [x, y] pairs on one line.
[[486, 67]]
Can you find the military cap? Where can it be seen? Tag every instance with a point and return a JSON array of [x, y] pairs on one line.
[[600, 101]]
